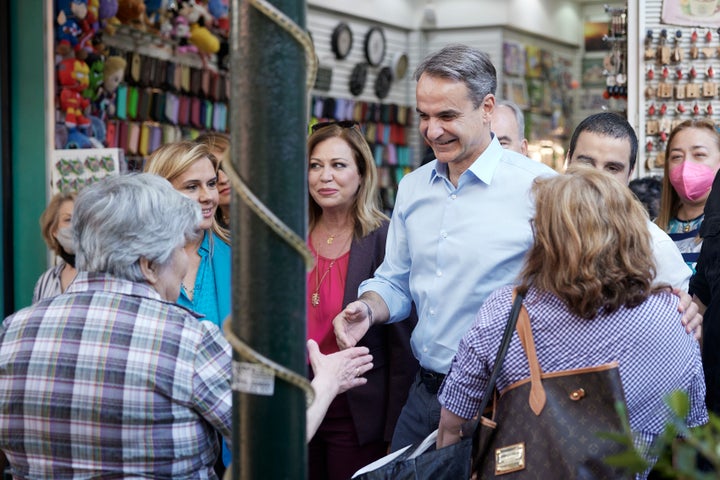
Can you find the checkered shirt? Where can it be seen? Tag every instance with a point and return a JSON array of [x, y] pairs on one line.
[[110, 380], [655, 354]]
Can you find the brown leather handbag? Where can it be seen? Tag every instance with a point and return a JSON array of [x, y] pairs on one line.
[[546, 426]]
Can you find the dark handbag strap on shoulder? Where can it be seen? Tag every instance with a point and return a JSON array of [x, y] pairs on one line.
[[472, 428]]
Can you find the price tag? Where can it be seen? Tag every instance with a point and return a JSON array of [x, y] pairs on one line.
[[252, 378]]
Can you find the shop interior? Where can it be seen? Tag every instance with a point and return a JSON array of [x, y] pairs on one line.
[[157, 71]]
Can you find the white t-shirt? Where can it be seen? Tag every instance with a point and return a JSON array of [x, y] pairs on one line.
[[669, 264]]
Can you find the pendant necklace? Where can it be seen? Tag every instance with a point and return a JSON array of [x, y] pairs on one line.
[[315, 297]]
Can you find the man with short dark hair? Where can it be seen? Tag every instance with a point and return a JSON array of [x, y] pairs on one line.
[[607, 142]]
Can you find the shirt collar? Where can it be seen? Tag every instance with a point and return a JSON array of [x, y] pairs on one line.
[[482, 168], [205, 245], [85, 282]]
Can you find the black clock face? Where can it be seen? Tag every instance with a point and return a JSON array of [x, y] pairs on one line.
[[375, 46], [342, 40], [383, 82]]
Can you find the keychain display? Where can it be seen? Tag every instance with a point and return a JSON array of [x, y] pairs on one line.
[[679, 71], [615, 62]]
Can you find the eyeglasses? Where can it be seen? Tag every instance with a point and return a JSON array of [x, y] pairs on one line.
[[341, 124]]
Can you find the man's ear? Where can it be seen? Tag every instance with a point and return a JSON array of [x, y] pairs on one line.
[[488, 106], [524, 147], [149, 271]]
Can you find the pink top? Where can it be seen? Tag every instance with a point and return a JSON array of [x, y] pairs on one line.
[[325, 291]]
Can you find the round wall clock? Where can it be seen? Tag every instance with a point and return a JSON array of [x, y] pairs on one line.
[[400, 65], [383, 82], [358, 79], [342, 40], [375, 46]]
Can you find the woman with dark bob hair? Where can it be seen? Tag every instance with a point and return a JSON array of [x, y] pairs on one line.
[[587, 281]]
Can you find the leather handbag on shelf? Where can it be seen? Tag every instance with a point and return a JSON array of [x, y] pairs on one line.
[[547, 426], [415, 462]]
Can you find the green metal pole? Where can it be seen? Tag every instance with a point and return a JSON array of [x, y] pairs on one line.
[[268, 118]]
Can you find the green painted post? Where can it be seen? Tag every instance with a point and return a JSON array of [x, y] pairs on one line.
[[28, 138], [268, 122]]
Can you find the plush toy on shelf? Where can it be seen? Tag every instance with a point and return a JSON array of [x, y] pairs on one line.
[[113, 75], [73, 78], [132, 13], [72, 29]]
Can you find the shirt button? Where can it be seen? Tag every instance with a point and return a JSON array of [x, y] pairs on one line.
[[443, 234], [432, 311], [453, 196], [438, 273], [425, 349]]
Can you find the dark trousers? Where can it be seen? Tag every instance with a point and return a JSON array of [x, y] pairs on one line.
[[419, 417], [334, 452]]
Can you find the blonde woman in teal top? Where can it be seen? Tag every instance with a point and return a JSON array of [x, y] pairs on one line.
[[192, 170]]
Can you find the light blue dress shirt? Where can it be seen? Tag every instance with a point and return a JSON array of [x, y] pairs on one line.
[[448, 248]]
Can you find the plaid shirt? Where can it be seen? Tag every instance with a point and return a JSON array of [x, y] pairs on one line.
[[109, 380], [655, 354]]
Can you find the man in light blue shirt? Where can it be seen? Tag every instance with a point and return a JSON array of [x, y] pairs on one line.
[[460, 228]]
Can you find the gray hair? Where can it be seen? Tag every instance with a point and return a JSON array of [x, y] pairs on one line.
[[464, 64], [519, 115], [121, 219]]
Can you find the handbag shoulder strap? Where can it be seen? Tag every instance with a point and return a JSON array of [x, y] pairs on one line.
[[537, 392], [499, 359]]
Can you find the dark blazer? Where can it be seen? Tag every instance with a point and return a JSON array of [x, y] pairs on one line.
[[705, 284], [375, 406]]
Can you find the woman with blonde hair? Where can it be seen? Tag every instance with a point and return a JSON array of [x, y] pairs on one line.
[[588, 287], [347, 232], [219, 145], [692, 158], [56, 230], [192, 170]]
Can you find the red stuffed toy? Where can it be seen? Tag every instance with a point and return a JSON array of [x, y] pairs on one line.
[[73, 77]]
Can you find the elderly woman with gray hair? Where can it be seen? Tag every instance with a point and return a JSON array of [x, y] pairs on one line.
[[112, 377]]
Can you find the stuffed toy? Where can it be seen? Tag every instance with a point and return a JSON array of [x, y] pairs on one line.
[[113, 75], [132, 12], [72, 75], [72, 28], [219, 9], [202, 38], [106, 14]]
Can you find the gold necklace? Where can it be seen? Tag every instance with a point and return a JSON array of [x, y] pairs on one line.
[[331, 236], [315, 297]]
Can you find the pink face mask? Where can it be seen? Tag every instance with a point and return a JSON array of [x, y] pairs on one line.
[[691, 180]]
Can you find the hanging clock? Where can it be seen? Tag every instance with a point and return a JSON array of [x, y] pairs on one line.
[[383, 81], [342, 40], [400, 65], [358, 79], [375, 46]]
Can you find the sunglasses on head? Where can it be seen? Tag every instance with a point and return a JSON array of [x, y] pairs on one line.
[[341, 124]]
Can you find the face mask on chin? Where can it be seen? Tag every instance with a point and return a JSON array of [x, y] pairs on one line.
[[691, 180]]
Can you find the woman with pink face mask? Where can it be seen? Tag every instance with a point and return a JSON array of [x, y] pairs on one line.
[[692, 160]]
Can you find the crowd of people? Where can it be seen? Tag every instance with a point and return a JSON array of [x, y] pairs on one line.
[[120, 367]]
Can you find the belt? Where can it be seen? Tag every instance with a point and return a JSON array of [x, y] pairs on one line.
[[431, 380]]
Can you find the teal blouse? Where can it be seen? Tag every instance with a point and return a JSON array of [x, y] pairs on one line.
[[212, 283]]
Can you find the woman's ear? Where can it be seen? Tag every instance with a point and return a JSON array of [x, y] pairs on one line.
[[149, 271]]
